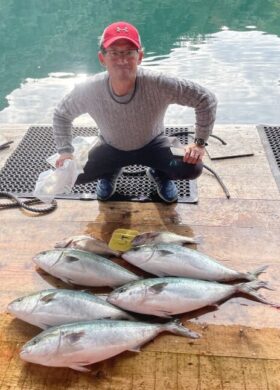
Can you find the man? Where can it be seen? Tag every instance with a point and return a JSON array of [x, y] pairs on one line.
[[128, 104]]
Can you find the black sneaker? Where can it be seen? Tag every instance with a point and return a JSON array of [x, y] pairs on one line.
[[106, 187], [166, 188]]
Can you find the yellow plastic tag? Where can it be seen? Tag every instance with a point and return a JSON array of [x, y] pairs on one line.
[[121, 239]]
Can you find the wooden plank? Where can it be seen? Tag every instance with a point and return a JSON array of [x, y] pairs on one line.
[[166, 371], [252, 246], [231, 373], [143, 371], [254, 373], [272, 368], [223, 341], [217, 212], [188, 372], [210, 374]]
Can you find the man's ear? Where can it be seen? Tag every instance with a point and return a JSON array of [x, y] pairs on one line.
[[140, 56], [101, 58]]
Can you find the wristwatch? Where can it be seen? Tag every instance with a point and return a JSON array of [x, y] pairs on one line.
[[200, 142]]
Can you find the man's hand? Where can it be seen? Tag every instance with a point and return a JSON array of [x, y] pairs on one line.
[[64, 156], [193, 153]]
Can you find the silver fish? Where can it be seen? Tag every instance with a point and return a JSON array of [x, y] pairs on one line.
[[74, 266], [165, 297], [87, 243], [59, 306], [175, 260], [83, 343], [153, 237]]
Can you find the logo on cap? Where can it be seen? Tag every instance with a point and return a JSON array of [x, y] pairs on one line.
[[119, 29]]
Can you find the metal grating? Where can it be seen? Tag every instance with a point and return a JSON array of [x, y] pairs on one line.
[[270, 136], [23, 167]]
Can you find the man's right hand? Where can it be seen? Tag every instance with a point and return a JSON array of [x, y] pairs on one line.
[[64, 156]]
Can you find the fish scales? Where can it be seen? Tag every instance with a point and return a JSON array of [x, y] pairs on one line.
[[60, 306], [84, 343], [175, 260], [169, 296], [75, 266], [154, 237]]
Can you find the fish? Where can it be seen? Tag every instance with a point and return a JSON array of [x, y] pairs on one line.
[[53, 307], [87, 243], [175, 260], [165, 297], [75, 266], [153, 237], [80, 344]]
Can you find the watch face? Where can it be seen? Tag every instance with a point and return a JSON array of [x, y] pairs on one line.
[[199, 141]]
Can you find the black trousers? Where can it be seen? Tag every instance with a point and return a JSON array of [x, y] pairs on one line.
[[104, 160]]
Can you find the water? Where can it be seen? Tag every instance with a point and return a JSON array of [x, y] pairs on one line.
[[232, 47]]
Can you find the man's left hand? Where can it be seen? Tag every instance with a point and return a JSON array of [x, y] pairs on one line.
[[193, 153]]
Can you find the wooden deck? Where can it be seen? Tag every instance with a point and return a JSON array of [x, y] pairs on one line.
[[240, 347]]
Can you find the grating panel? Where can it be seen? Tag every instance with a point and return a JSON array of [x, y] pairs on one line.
[[270, 136], [23, 167]]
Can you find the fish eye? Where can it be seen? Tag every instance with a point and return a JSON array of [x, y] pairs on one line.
[[137, 248], [122, 289]]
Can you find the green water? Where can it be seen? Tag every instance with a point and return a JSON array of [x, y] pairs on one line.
[[230, 46]]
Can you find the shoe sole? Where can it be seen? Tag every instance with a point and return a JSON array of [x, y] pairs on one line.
[[161, 197]]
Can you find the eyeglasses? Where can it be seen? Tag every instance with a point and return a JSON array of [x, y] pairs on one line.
[[116, 54]]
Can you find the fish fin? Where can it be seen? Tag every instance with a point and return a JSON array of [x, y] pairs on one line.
[[160, 274], [79, 367], [71, 259], [74, 337], [163, 313], [157, 288], [87, 291], [214, 305], [63, 244], [68, 281], [142, 238], [254, 274], [178, 328], [135, 349], [48, 298], [43, 326], [165, 252]]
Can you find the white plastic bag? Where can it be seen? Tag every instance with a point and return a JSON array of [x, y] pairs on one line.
[[81, 145], [54, 182], [61, 180]]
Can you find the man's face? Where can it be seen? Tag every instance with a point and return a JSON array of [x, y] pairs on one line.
[[121, 59]]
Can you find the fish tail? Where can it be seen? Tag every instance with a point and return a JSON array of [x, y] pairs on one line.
[[250, 289], [254, 274], [129, 317], [177, 327]]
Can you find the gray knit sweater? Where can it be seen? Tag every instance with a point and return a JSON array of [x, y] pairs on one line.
[[130, 122]]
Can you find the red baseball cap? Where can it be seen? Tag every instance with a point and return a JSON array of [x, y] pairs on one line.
[[120, 30]]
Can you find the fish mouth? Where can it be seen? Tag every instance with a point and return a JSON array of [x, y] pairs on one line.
[[24, 354], [112, 298], [35, 259]]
